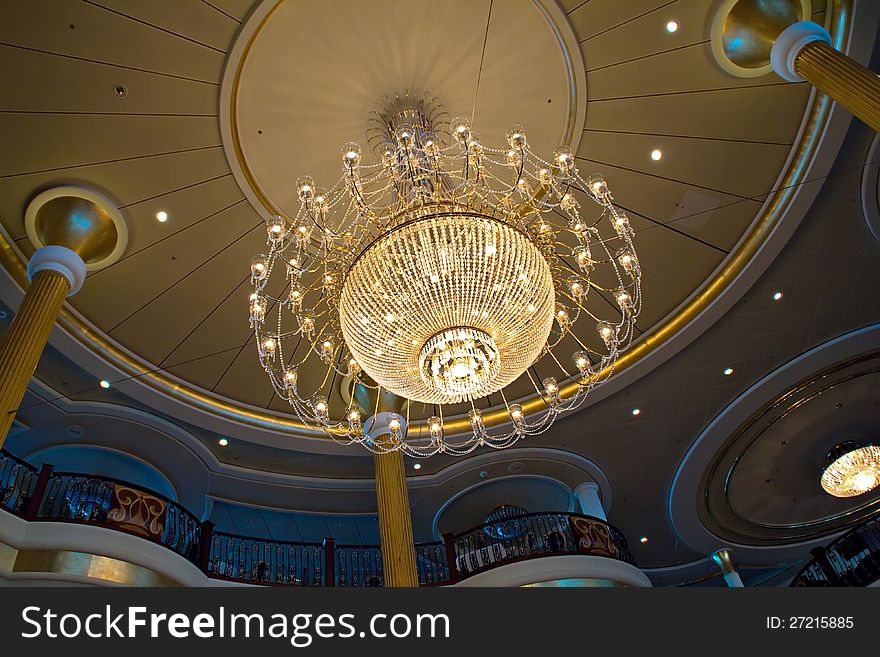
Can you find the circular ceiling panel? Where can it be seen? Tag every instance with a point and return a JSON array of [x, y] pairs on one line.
[[310, 73]]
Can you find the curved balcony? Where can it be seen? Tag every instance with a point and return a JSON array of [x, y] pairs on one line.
[[45, 495], [853, 559]]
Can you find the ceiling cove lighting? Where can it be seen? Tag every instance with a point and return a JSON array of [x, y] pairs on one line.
[[853, 470], [441, 272]]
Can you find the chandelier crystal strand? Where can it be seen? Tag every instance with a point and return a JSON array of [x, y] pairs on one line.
[[444, 272]]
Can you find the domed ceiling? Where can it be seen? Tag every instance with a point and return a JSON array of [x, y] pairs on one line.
[[208, 111]]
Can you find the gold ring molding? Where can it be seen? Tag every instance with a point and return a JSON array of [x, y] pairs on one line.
[[743, 32], [84, 221], [66, 563], [803, 153]]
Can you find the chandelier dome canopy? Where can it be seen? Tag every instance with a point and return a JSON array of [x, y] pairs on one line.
[[449, 307]]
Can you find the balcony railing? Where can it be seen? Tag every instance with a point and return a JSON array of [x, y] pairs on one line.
[[536, 535], [265, 562], [853, 559], [17, 480], [45, 495], [114, 504]]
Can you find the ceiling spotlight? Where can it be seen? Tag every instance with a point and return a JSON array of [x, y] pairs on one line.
[[417, 466], [223, 442], [104, 384], [643, 539], [853, 470], [636, 411], [161, 216], [777, 296], [656, 154], [672, 26], [728, 371]]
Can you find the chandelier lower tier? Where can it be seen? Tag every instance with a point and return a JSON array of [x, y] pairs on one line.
[[447, 308], [456, 276]]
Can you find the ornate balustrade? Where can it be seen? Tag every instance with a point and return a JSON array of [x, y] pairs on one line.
[[45, 495], [17, 480], [536, 535], [853, 559], [265, 562], [72, 497]]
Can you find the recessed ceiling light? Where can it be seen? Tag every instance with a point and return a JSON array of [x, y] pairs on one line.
[[728, 371], [161, 216], [104, 384], [223, 442], [643, 539], [417, 466], [777, 296], [672, 26], [636, 411], [656, 154]]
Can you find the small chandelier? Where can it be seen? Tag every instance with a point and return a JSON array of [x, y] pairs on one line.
[[443, 273], [854, 470]]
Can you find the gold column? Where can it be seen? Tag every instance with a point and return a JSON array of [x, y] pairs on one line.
[[849, 83], [24, 343], [71, 229], [395, 521]]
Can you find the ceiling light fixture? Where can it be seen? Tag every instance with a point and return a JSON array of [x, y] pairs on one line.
[[223, 442], [441, 273], [777, 296], [672, 26], [656, 154], [728, 371], [104, 384], [417, 466], [643, 539], [636, 411], [854, 469], [161, 216]]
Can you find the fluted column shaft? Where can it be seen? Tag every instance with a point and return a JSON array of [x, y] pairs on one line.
[[24, 343], [395, 521], [849, 83]]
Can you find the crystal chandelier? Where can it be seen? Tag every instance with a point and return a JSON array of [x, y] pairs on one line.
[[444, 273], [854, 470]]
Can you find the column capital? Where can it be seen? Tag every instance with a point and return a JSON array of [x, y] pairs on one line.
[[59, 259], [587, 486], [790, 43]]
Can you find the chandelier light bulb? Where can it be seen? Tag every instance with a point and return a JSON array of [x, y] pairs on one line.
[[305, 188], [516, 137], [351, 154], [435, 271]]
